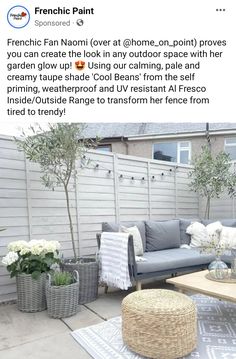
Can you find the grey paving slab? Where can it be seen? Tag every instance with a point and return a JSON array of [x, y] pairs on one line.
[[17, 328], [84, 318], [108, 305], [60, 346]]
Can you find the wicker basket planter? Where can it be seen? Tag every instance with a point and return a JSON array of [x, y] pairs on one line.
[[62, 301], [31, 293], [88, 278]]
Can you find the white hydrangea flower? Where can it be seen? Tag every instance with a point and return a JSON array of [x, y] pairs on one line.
[[25, 250], [10, 258], [17, 246], [36, 248], [41, 246], [52, 246]]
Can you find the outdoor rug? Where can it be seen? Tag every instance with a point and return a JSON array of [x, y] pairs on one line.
[[216, 334]]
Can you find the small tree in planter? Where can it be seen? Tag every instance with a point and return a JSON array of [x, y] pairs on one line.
[[212, 176], [56, 151]]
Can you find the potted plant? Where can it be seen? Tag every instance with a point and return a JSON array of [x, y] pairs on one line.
[[62, 294], [29, 262], [57, 152], [211, 176]]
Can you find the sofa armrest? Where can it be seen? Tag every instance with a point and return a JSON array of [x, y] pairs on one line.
[[131, 255], [98, 236]]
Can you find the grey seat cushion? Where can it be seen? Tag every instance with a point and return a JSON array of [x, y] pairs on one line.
[[115, 227], [169, 259], [162, 235]]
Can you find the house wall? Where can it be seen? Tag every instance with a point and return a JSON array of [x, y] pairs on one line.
[[144, 148]]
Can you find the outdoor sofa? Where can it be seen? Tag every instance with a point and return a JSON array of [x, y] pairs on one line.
[[162, 242]]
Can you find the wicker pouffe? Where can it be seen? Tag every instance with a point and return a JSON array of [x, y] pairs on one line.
[[159, 323], [31, 293], [88, 278]]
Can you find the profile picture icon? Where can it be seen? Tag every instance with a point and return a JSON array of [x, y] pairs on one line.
[[18, 16]]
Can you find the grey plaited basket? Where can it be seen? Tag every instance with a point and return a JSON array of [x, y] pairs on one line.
[[31, 293], [62, 301], [88, 278]]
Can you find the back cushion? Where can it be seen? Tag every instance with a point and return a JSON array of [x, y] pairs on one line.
[[115, 227], [162, 235], [185, 238], [224, 222], [228, 237]]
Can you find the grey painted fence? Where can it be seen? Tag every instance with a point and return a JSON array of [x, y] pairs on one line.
[[120, 188]]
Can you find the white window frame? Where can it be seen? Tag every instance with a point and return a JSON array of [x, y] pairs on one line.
[[184, 148], [188, 148], [229, 144]]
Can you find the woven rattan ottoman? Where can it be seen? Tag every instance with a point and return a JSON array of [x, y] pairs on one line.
[[159, 323]]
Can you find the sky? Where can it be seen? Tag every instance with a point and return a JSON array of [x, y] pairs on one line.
[[14, 128]]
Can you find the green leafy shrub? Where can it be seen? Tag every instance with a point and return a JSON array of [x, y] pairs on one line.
[[62, 278]]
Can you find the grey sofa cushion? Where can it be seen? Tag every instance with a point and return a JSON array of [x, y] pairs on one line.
[[162, 235], [110, 227], [183, 224], [115, 227], [224, 222], [174, 258]]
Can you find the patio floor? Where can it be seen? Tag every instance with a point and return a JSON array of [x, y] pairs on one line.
[[35, 335]]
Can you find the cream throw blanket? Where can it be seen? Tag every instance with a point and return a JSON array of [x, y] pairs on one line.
[[114, 260]]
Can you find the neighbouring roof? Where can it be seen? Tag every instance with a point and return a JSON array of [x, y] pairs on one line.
[[115, 129]]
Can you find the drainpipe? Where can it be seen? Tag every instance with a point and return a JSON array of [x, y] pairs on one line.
[[208, 136], [123, 140]]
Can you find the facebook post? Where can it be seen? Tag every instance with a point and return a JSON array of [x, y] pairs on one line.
[[117, 179]]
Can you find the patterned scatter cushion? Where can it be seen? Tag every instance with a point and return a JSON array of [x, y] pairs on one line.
[[201, 235], [228, 237], [138, 244], [198, 234]]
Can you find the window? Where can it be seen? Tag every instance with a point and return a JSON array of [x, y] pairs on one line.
[[179, 152], [230, 147], [104, 148]]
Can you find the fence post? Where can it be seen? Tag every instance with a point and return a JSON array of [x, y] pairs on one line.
[[149, 191], [176, 192], [116, 187], [233, 199], [77, 211], [28, 195]]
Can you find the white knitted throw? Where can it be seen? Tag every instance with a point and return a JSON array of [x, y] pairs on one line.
[[114, 260]]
